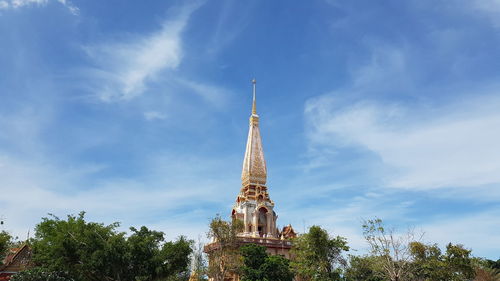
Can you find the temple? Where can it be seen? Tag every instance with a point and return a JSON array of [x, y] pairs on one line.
[[253, 205]]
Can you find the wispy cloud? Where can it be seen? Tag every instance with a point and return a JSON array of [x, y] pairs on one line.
[[490, 8], [125, 67], [171, 189], [420, 144], [454, 145], [16, 4], [483, 239], [210, 93], [154, 115]]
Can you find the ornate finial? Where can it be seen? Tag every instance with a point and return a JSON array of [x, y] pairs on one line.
[[254, 105]]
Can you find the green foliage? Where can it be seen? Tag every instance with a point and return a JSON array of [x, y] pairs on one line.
[[404, 258], [41, 274], [317, 256], [224, 254], [494, 264], [254, 257], [198, 266], [459, 262], [259, 266], [429, 263], [92, 251], [276, 268], [5, 243], [225, 232], [364, 268]]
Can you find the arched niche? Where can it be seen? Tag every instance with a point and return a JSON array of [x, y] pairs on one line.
[[262, 221]]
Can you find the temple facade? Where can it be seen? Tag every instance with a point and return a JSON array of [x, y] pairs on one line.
[[253, 205]]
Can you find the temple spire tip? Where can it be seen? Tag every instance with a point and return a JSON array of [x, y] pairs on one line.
[[254, 105]]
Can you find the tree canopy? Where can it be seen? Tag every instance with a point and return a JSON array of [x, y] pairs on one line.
[[87, 251], [224, 255], [259, 266], [317, 256], [74, 249], [5, 243]]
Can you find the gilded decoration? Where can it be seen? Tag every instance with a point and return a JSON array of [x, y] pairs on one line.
[[253, 205]]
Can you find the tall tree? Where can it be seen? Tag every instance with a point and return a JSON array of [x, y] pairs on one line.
[[364, 268], [259, 266], [5, 243], [198, 263], [89, 251], [317, 256], [393, 249], [429, 263], [254, 257], [276, 268], [223, 251], [459, 262]]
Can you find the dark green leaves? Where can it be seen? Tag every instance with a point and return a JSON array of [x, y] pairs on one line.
[[317, 256], [5, 242], [89, 251], [259, 266]]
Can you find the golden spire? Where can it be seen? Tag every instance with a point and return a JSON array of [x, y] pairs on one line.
[[254, 165], [254, 105]]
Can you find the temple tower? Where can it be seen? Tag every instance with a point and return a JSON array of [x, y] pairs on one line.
[[253, 205]]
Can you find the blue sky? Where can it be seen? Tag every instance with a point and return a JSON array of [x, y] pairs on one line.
[[138, 112]]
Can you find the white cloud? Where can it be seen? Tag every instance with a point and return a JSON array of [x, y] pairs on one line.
[[453, 145], [425, 145], [125, 67], [167, 195], [15, 4], [154, 115], [478, 232], [490, 8], [72, 8], [210, 93], [21, 3]]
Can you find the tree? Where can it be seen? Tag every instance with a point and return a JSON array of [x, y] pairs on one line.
[[151, 261], [364, 268], [223, 251], [254, 257], [276, 268], [174, 257], [394, 250], [487, 270], [38, 274], [89, 251], [5, 244], [493, 264], [198, 263], [317, 256], [459, 262], [259, 266], [86, 250], [487, 274], [429, 263]]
